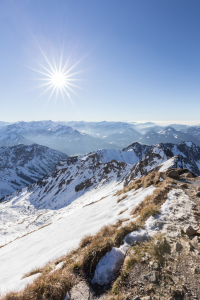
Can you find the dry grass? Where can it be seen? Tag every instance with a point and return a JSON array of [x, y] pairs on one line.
[[52, 286], [32, 272], [152, 178], [85, 241], [122, 198], [152, 203], [121, 212]]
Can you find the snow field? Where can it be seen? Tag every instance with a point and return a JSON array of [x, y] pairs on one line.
[[65, 233]]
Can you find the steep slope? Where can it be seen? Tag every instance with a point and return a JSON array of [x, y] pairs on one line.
[[60, 231], [168, 135], [72, 179], [183, 155], [22, 165], [115, 243]]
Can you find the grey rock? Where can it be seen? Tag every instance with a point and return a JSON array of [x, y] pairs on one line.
[[189, 230], [151, 277], [182, 185], [177, 246], [188, 175], [173, 174], [137, 298], [154, 265]]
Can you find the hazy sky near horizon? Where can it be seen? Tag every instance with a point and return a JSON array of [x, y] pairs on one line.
[[134, 60]]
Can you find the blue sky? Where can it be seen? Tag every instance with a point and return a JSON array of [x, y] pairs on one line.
[[139, 60]]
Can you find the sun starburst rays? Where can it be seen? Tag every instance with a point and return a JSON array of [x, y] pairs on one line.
[[58, 78]]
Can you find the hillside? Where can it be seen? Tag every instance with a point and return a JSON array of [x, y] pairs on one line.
[[22, 165]]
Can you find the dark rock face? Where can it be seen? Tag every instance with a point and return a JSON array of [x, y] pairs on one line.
[[72, 177], [173, 174]]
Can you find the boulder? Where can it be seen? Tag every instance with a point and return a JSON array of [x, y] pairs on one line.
[[154, 265], [176, 293], [146, 298], [189, 230], [183, 185], [177, 246], [197, 194], [173, 174], [136, 298], [151, 277], [189, 175]]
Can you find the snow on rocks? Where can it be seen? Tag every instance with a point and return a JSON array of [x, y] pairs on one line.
[[67, 296], [58, 266], [109, 265], [176, 211]]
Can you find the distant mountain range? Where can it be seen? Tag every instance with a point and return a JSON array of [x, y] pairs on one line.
[[75, 138]]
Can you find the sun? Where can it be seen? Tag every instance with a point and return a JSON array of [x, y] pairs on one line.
[[58, 78]]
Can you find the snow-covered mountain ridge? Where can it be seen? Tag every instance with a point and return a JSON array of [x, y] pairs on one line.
[[22, 165], [188, 157]]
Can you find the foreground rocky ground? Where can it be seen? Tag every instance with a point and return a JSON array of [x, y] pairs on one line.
[[167, 267]]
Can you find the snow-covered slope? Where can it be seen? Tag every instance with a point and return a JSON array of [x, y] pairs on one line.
[[86, 215], [186, 155], [22, 165], [71, 179]]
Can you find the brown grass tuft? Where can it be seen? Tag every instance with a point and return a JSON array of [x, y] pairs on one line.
[[122, 198]]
